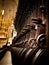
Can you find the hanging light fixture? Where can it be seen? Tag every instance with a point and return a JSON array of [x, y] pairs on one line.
[[3, 11], [43, 11], [42, 7]]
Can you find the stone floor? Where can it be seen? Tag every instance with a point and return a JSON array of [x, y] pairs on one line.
[[6, 60]]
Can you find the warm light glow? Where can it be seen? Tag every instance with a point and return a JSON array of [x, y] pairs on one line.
[[36, 27], [8, 10], [14, 33], [44, 22], [2, 12]]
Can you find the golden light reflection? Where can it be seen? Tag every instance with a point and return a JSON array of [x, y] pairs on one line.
[[7, 15]]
